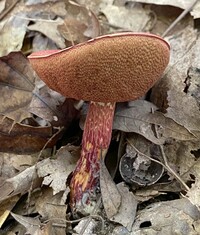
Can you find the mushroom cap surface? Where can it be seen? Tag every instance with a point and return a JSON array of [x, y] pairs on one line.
[[111, 68]]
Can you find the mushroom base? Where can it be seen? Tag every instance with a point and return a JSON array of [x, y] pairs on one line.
[[96, 139]]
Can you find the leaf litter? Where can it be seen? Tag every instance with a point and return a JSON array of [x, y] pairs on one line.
[[34, 185]]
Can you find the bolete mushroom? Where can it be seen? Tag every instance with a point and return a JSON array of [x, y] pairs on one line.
[[105, 70]]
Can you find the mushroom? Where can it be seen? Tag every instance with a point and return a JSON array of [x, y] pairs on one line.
[[105, 70]]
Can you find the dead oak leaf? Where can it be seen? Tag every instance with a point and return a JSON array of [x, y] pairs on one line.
[[127, 210], [16, 85], [55, 172], [169, 217], [111, 196], [134, 19], [33, 225], [26, 138], [21, 96], [178, 92], [193, 193], [50, 29], [80, 23], [12, 33], [139, 116], [19, 184]]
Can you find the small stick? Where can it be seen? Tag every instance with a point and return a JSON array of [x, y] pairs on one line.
[[180, 17], [4, 13]]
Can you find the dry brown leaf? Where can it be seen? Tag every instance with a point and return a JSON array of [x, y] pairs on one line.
[[46, 229], [43, 8], [72, 30], [127, 210], [79, 24], [194, 192], [19, 184], [55, 172], [52, 106], [12, 33], [17, 82], [23, 139], [184, 158], [50, 29], [134, 19], [111, 196], [32, 225], [171, 217], [6, 207], [134, 119], [52, 208], [181, 3], [140, 116], [41, 43], [13, 163], [145, 194], [20, 97], [179, 88], [184, 4]]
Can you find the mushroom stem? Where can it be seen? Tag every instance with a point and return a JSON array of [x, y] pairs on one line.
[[95, 143]]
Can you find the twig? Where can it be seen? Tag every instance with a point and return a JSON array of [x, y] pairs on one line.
[[4, 13], [72, 221], [167, 165], [180, 17]]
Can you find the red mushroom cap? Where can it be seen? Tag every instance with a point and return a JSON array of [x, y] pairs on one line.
[[111, 68]]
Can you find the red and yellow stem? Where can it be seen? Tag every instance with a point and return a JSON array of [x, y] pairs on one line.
[[95, 142]]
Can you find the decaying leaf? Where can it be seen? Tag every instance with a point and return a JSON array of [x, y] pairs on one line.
[[110, 194], [52, 208], [145, 194], [22, 138], [31, 224], [177, 216], [139, 117], [32, 115], [184, 4], [79, 24], [41, 43], [193, 193], [179, 87], [19, 184], [6, 208], [20, 96], [183, 157], [127, 210], [12, 164], [17, 83], [55, 172], [50, 29], [51, 106], [2, 5], [12, 33], [134, 19]]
